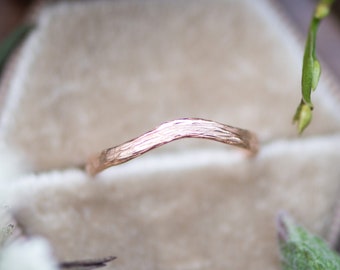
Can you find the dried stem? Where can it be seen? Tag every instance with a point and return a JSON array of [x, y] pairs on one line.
[[168, 132], [86, 264]]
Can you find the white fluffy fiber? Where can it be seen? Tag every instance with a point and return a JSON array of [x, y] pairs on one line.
[[27, 254], [11, 164]]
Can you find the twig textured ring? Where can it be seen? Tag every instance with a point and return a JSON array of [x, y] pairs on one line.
[[168, 132]]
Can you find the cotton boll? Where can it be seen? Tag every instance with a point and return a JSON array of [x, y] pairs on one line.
[[27, 254]]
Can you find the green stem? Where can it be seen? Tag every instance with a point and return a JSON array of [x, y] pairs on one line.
[[311, 69]]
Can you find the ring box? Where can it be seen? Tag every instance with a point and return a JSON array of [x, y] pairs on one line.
[[94, 74]]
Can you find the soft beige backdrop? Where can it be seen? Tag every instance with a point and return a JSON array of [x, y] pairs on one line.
[[98, 73]]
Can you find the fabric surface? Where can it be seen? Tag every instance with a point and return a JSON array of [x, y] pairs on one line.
[[97, 73]]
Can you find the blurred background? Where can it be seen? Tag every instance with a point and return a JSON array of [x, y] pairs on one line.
[[14, 12]]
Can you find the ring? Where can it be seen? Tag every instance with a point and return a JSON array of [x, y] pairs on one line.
[[168, 132]]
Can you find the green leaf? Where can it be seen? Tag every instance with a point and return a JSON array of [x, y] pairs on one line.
[[12, 41], [316, 74], [301, 250]]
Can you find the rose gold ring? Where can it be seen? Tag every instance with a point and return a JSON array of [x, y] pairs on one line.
[[168, 132]]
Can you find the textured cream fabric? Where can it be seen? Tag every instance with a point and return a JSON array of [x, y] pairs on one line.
[[158, 215], [98, 73]]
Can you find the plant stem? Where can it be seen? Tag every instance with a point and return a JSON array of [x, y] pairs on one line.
[[311, 69]]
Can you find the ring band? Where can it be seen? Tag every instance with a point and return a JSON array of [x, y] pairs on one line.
[[168, 132]]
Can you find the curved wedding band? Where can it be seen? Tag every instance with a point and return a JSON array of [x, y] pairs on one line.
[[168, 132]]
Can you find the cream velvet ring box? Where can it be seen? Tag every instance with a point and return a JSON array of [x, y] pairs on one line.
[[94, 74]]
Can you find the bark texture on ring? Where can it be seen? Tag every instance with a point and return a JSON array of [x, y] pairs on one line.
[[171, 131]]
